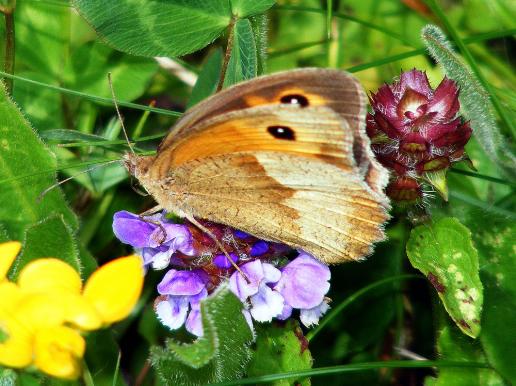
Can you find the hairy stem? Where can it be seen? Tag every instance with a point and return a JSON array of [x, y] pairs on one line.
[[9, 47], [227, 56]]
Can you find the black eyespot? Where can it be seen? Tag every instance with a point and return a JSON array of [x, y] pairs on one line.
[[295, 99], [282, 132]]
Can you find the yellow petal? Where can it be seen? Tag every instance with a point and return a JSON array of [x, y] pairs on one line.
[[58, 351], [10, 295], [39, 310], [81, 313], [8, 252], [15, 344], [15, 338], [114, 288], [49, 274]]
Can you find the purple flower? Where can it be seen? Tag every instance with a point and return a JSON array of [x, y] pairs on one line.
[[259, 248], [264, 303], [303, 285], [184, 291], [221, 261], [154, 237], [130, 229]]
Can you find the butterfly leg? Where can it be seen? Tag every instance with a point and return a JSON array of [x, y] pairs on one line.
[[150, 212], [201, 227]]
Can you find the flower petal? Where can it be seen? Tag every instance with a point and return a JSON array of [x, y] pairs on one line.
[[49, 275], [130, 229], [172, 312], [194, 323], [114, 288], [221, 261], [58, 351], [311, 316], [266, 304], [240, 286], [304, 282], [8, 252], [181, 283]]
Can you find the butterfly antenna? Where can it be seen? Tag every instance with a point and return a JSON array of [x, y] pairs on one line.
[[110, 81], [218, 243], [59, 183]]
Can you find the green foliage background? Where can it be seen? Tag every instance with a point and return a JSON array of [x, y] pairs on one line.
[[61, 118]]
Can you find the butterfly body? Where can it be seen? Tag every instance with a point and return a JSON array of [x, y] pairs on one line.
[[283, 157]]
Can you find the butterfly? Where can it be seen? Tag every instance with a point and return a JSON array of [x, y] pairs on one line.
[[283, 157]]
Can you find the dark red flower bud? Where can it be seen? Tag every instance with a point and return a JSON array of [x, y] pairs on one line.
[[415, 131]]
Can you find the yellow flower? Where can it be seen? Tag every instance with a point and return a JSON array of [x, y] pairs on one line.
[[43, 315]]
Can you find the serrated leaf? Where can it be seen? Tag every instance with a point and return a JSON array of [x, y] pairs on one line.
[[157, 28], [208, 78], [281, 349], [260, 25], [242, 64], [444, 252], [23, 153], [496, 242], [220, 355], [451, 345], [245, 8], [48, 238]]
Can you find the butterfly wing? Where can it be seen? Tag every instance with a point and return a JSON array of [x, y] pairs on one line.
[[309, 87], [304, 189]]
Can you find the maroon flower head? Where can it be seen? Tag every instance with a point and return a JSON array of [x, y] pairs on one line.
[[415, 131]]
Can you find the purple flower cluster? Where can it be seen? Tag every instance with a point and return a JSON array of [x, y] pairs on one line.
[[273, 287]]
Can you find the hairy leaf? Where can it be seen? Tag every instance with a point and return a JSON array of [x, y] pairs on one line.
[[242, 64], [49, 238], [220, 355], [280, 349], [474, 99], [23, 153], [444, 252]]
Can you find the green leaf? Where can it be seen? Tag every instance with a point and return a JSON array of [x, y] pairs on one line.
[[90, 64], [452, 346], [474, 99], [260, 25], [208, 79], [444, 252], [220, 355], [280, 349], [49, 238], [64, 136], [102, 358], [495, 241], [22, 153], [242, 64], [157, 28], [7, 377], [42, 39], [245, 8]]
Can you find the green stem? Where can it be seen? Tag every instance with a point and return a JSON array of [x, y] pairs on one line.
[[93, 98], [404, 364], [353, 297], [483, 177], [473, 64], [9, 47]]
